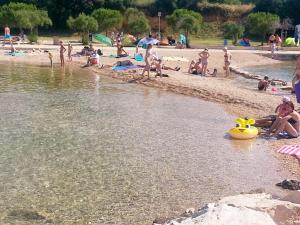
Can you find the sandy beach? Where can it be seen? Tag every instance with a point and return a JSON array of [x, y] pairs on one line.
[[237, 99]]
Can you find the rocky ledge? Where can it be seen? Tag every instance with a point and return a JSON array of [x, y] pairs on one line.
[[244, 209]]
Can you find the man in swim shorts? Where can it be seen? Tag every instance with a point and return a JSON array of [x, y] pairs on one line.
[[6, 34], [263, 84]]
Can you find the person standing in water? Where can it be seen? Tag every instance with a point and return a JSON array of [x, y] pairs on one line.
[[204, 55], [50, 58], [147, 60], [296, 77], [6, 34], [70, 48], [272, 43], [62, 51], [227, 61]]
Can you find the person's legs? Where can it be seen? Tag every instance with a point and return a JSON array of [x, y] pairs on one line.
[[204, 69], [192, 66], [286, 126], [274, 126]]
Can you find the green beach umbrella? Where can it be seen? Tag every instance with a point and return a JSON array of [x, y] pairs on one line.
[[103, 39]]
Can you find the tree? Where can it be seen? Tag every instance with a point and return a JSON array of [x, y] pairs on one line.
[[107, 19], [84, 24], [185, 20], [261, 24], [233, 30], [135, 22], [24, 16]]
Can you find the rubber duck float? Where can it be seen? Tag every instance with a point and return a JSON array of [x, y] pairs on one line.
[[244, 129]]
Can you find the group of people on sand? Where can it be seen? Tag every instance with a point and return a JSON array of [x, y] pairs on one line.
[[154, 63], [285, 123], [200, 67]]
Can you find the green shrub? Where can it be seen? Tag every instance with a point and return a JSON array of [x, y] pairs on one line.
[[85, 39], [32, 38], [210, 29], [233, 31]]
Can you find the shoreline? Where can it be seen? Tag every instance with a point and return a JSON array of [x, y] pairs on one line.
[[236, 99]]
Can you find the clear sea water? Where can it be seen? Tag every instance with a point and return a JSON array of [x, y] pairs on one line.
[[79, 148]]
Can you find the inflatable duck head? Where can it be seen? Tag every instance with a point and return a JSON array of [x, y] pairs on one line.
[[244, 129]]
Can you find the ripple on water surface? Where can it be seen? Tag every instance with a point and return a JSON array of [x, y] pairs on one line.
[[76, 148]]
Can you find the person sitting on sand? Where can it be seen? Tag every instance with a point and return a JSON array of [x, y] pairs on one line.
[[157, 65], [263, 84], [280, 111], [195, 67], [289, 123], [120, 50], [93, 59], [204, 55]]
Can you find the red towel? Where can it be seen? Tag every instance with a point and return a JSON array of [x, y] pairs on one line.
[[292, 150]]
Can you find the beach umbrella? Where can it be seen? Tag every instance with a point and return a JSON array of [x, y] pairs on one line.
[[292, 150], [103, 39], [148, 41]]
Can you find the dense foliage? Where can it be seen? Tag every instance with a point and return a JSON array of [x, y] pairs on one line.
[[84, 25], [24, 16], [261, 24], [60, 10], [186, 21], [233, 31], [135, 22]]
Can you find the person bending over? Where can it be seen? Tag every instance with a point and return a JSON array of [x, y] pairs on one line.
[[263, 84]]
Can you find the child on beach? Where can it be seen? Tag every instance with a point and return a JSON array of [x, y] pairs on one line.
[[62, 51], [204, 55], [227, 61], [148, 56], [70, 48], [263, 84], [50, 58]]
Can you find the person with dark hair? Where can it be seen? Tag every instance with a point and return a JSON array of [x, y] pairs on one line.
[[289, 123], [263, 84]]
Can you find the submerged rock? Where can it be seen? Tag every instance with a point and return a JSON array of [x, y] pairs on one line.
[[245, 209], [25, 215]]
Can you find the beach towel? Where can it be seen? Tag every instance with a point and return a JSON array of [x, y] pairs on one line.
[[292, 150], [125, 68], [17, 54], [174, 58]]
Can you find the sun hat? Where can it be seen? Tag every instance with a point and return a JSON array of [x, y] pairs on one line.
[[286, 99]]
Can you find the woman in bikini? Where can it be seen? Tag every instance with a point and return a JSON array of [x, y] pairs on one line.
[[148, 56], [227, 61], [290, 123], [204, 55]]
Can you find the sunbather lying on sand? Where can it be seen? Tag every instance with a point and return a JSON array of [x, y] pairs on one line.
[[157, 66]]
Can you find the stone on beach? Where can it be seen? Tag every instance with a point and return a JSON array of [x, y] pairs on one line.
[[247, 209]]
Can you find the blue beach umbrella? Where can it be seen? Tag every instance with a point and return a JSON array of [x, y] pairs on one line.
[[148, 41]]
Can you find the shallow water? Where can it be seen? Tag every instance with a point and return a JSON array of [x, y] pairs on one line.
[[283, 71], [82, 149]]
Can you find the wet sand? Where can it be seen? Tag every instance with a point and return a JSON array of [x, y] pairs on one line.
[[237, 99]]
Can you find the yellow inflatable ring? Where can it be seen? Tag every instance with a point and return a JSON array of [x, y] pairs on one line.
[[244, 129]]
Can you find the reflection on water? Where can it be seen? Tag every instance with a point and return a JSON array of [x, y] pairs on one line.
[[283, 71], [81, 149]]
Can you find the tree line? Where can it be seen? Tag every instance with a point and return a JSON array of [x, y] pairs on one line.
[[133, 21], [60, 10]]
